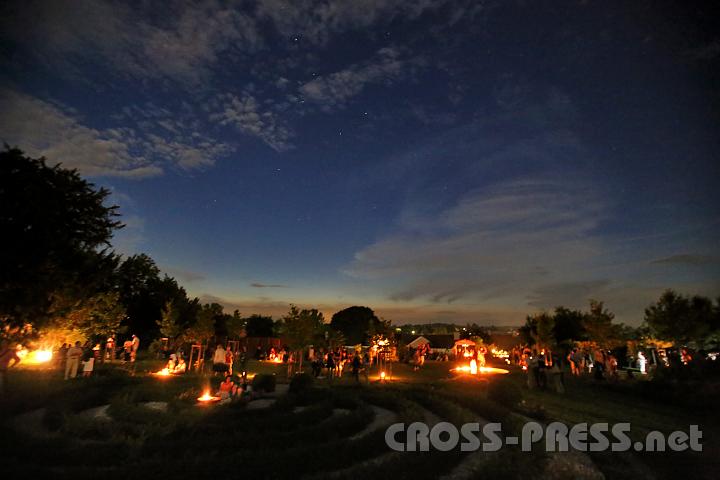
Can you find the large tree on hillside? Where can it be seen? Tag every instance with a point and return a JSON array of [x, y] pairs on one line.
[[260, 326], [356, 324], [56, 230], [568, 326], [682, 319]]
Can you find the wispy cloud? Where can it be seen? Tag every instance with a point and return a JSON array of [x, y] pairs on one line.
[[247, 115], [693, 260], [493, 243], [335, 89], [42, 128], [267, 285], [184, 275], [182, 46]]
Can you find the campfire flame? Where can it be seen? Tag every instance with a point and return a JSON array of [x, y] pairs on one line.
[[206, 397], [473, 369], [35, 357]]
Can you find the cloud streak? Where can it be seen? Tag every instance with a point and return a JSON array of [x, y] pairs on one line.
[[42, 128], [335, 89]]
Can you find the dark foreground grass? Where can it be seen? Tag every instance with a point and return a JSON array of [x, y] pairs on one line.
[[308, 433]]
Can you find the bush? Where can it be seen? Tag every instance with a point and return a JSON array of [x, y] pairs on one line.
[[505, 392], [301, 382], [263, 382]]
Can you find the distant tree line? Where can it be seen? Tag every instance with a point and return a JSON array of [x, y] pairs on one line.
[[681, 320]]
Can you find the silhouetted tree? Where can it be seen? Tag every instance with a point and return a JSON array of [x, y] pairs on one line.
[[260, 326], [56, 231], [355, 323], [682, 319]]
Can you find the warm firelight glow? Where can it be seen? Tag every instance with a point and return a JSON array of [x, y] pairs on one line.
[[473, 369], [382, 375], [35, 357], [206, 397], [163, 373]]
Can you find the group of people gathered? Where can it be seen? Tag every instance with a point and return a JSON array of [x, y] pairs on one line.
[[333, 363], [83, 357]]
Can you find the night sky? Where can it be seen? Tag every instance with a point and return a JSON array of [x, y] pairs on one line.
[[435, 160]]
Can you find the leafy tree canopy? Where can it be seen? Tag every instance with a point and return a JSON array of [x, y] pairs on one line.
[[357, 324], [56, 231], [260, 326], [681, 319]]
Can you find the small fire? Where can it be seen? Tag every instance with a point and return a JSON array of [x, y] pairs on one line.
[[474, 369], [206, 397], [382, 375], [164, 372], [35, 357]]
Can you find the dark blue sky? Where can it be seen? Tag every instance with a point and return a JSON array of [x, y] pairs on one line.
[[437, 161]]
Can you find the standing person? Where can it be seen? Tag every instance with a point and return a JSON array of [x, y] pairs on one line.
[[61, 356], [243, 359], [73, 360], [330, 365], [356, 362], [7, 355], [571, 361], [110, 349], [481, 356], [555, 372], [641, 363], [135, 347], [88, 366], [366, 366], [229, 358], [127, 349], [219, 365]]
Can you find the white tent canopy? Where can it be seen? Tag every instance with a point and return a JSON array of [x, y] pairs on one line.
[[418, 341]]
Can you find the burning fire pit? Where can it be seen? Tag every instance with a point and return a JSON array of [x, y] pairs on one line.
[[35, 357], [207, 399], [473, 369]]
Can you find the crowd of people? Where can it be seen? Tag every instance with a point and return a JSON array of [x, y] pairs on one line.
[[77, 358]]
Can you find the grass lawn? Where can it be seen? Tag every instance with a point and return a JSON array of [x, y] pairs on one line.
[[333, 429]]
